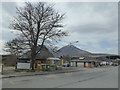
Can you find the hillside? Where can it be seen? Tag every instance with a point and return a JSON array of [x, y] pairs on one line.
[[71, 51]]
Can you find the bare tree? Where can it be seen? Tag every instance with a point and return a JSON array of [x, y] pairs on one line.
[[37, 23], [16, 47], [66, 58], [52, 48]]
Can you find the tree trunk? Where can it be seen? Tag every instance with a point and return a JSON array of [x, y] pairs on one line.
[[32, 63], [33, 57]]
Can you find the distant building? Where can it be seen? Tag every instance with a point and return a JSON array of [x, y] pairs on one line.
[[48, 63], [83, 62], [88, 61], [9, 60], [40, 64]]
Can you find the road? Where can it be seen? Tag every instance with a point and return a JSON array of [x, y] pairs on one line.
[[104, 77]]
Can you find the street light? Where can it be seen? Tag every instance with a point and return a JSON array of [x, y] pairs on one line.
[[70, 45], [73, 42]]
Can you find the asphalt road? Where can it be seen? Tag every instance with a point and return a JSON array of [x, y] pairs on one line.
[[105, 77]]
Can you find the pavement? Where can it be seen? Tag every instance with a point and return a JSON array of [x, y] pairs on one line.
[[103, 77], [21, 74]]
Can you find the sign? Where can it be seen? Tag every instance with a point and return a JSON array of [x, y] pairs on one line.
[[23, 65]]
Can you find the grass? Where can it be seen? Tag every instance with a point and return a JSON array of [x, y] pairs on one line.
[[24, 70]]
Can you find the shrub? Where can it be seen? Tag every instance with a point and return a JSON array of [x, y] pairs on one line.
[[16, 70]]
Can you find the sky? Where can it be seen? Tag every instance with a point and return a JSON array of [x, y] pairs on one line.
[[93, 24]]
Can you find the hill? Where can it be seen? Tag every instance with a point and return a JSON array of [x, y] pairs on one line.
[[71, 50]]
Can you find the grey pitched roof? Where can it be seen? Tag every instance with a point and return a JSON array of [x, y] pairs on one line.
[[44, 53]]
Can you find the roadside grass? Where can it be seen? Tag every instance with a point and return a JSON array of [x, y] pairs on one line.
[[24, 70], [7, 70]]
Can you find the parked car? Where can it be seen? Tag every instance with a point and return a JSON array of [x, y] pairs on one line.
[[66, 65], [115, 64]]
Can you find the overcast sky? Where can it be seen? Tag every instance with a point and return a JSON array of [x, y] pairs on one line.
[[93, 24]]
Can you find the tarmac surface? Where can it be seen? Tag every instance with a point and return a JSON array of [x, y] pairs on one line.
[[102, 77]]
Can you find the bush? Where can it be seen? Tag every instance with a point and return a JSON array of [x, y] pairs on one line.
[[59, 68], [47, 69], [18, 70], [30, 70]]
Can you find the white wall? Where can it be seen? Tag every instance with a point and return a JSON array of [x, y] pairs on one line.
[[72, 63], [23, 65], [80, 64], [103, 62]]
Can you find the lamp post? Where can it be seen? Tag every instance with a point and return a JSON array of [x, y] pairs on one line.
[[61, 57], [70, 57], [73, 42]]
